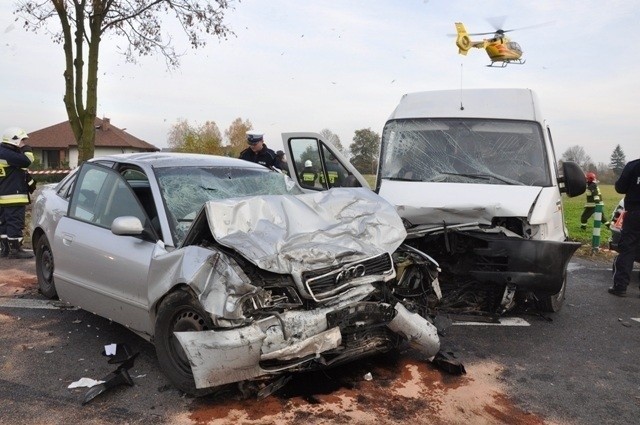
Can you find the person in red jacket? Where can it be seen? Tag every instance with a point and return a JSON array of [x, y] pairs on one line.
[[594, 197], [15, 183]]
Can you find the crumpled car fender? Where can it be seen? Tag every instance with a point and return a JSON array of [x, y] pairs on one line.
[[221, 357]]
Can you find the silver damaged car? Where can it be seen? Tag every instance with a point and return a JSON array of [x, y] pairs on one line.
[[228, 267]]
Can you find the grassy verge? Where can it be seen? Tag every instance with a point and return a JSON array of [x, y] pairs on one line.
[[573, 209]]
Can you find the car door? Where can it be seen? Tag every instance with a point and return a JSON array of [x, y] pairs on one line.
[[95, 269], [316, 164]]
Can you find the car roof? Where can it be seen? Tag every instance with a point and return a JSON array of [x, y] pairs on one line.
[[173, 159]]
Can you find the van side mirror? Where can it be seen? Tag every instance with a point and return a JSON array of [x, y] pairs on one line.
[[572, 181]]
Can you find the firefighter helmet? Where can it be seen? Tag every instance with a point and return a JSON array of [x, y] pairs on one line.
[[591, 176], [14, 135]]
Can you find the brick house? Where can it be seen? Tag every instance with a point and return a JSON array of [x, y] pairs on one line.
[[55, 147]]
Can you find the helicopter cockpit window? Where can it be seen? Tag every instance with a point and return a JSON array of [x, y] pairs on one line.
[[465, 151], [514, 46]]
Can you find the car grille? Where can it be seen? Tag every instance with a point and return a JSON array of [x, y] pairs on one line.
[[327, 283]]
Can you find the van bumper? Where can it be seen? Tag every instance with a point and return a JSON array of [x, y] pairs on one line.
[[531, 265]]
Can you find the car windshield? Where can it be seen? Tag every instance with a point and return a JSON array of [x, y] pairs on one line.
[[481, 151], [186, 189]]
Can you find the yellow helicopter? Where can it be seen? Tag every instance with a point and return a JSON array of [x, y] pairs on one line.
[[501, 50]]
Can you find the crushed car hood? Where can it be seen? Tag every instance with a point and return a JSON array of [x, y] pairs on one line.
[[432, 203], [285, 234]]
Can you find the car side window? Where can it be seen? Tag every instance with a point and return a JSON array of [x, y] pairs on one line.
[[64, 188], [101, 195]]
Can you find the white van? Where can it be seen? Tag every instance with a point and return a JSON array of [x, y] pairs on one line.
[[473, 174]]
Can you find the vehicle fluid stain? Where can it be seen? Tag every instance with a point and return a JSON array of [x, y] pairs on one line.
[[401, 389], [17, 282]]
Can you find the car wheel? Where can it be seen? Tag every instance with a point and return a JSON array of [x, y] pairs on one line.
[[44, 268], [179, 312], [553, 303]]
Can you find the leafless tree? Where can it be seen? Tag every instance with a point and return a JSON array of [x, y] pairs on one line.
[[333, 138], [84, 23], [578, 155]]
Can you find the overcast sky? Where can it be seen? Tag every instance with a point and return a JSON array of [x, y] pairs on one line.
[[338, 64]]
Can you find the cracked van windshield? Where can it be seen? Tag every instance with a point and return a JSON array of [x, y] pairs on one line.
[[186, 189], [464, 151]]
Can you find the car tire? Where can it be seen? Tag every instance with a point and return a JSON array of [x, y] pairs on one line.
[[553, 303], [45, 268], [179, 312]]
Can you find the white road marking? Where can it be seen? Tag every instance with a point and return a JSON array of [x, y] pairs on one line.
[[31, 303], [505, 321], [637, 319]]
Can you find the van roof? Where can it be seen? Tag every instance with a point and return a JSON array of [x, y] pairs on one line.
[[518, 104]]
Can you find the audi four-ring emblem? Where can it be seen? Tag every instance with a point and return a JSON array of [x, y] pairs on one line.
[[350, 273]]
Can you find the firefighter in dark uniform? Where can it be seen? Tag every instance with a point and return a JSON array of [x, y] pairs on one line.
[[594, 197], [335, 173], [15, 186], [628, 184], [258, 151], [308, 175]]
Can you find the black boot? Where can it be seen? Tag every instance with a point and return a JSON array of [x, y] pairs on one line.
[[16, 251], [4, 247]]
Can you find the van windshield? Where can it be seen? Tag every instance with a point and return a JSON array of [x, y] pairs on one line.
[[464, 151]]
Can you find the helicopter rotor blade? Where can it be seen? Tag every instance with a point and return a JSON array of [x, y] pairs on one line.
[[497, 22], [544, 24], [483, 33], [498, 30]]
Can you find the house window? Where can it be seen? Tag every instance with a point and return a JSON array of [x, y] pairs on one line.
[[51, 159]]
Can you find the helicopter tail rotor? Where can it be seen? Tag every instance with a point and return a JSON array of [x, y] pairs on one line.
[[463, 41]]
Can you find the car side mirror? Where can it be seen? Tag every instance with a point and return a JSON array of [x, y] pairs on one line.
[[572, 181], [127, 226]]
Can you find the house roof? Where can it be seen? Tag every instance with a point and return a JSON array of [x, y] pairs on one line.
[[60, 136]]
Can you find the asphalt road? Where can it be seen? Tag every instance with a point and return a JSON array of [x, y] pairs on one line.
[[579, 366]]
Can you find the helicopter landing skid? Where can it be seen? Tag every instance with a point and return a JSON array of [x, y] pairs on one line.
[[503, 64]]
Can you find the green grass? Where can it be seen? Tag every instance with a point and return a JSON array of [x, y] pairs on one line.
[[371, 179], [573, 209]]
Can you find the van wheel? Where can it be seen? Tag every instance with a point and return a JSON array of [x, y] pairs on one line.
[[179, 312], [553, 303]]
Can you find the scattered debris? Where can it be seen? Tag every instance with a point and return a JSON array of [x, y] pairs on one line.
[[273, 387], [446, 363], [84, 382], [368, 376], [118, 353], [116, 378]]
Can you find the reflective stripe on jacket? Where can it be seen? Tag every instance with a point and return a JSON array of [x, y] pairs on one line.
[[13, 176], [593, 195]]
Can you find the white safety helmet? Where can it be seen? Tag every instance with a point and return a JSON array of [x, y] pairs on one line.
[[308, 163], [14, 135]]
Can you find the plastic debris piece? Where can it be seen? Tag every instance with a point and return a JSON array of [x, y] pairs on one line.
[[273, 387], [368, 376], [84, 382], [121, 354], [118, 377], [110, 349], [445, 362]]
